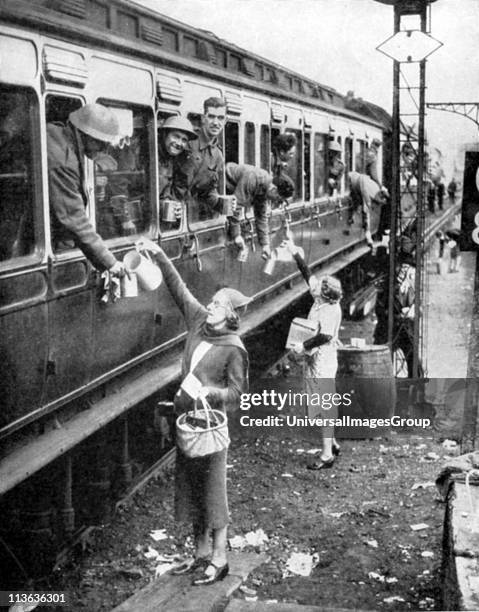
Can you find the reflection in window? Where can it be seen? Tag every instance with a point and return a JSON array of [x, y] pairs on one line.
[[295, 165], [320, 171], [122, 179], [249, 144], [360, 162], [265, 147], [348, 155], [17, 110]]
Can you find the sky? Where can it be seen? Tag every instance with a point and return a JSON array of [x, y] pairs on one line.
[[334, 42]]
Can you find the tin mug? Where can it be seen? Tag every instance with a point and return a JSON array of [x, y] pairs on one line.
[[149, 275], [229, 204], [168, 211], [270, 264], [243, 255], [129, 285]]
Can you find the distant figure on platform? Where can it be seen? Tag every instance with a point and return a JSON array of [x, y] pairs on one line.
[[430, 195], [441, 243], [451, 190], [320, 353], [440, 190], [454, 257]]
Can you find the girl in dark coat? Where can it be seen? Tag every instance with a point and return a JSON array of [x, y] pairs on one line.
[[222, 368]]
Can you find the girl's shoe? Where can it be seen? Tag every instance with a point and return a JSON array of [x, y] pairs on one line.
[[336, 450], [190, 565], [322, 465], [219, 574]]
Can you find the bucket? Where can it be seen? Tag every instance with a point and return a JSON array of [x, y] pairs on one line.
[[149, 276], [168, 208], [366, 373]]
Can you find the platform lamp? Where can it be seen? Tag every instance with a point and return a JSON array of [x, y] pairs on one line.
[[408, 46]]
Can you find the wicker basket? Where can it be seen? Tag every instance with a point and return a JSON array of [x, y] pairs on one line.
[[195, 441]]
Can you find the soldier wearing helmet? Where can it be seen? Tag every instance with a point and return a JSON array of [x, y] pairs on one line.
[[174, 165], [335, 166], [87, 133]]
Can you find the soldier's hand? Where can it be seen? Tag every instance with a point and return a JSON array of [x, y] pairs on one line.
[[117, 269], [145, 244], [178, 210], [266, 251]]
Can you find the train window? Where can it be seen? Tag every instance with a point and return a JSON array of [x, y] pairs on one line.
[[307, 167], [265, 147], [122, 178], [57, 110], [249, 144], [360, 161], [295, 166], [348, 155], [320, 171], [231, 142], [18, 108]]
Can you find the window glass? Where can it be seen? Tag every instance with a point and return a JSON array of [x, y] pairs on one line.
[[122, 178], [360, 162], [18, 109], [320, 174], [295, 165], [231, 142], [307, 167], [249, 144], [265, 147]]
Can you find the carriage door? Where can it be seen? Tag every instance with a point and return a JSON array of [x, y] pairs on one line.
[[70, 310], [23, 275]]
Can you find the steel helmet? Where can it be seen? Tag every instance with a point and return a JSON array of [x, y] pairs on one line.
[[181, 124], [96, 121], [334, 146]]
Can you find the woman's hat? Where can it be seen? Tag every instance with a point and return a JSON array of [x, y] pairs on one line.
[[96, 121], [181, 124], [237, 299]]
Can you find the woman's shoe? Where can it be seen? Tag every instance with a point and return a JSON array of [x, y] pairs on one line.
[[336, 450], [190, 566], [321, 465], [219, 574]]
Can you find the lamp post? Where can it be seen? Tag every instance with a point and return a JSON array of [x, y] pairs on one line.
[[407, 46]]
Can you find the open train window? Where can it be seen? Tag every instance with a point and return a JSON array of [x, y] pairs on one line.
[[18, 110], [348, 155], [320, 169], [231, 151], [295, 165], [265, 148], [122, 176], [57, 110], [249, 143]]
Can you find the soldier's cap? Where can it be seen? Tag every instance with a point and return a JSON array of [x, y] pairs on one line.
[[376, 142], [96, 121], [181, 124]]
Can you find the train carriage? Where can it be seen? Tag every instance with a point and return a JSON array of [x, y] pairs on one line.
[[65, 354]]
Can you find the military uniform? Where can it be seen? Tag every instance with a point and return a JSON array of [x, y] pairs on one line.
[[68, 197]]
